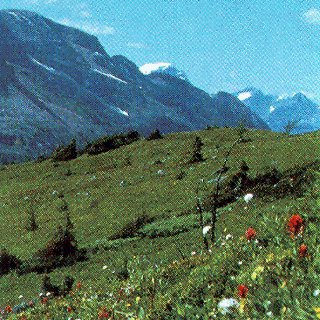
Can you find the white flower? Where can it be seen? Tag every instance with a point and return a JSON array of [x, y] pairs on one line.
[[104, 267], [226, 304], [229, 236], [316, 292], [48, 294], [20, 297], [248, 197], [269, 314], [240, 263], [205, 230], [193, 253]]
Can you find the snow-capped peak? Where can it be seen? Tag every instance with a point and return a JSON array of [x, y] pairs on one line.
[[163, 68], [244, 95], [148, 68]]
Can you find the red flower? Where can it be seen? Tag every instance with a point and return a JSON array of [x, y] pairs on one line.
[[242, 291], [79, 285], [103, 314], [31, 303], [295, 225], [8, 309], [303, 251], [251, 234], [69, 309], [44, 300]]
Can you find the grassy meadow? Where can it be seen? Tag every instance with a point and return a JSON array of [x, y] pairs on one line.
[[161, 270]]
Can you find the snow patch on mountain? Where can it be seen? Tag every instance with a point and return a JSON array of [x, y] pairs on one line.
[[109, 75], [123, 112], [271, 109], [42, 65], [19, 17], [244, 95], [149, 68]]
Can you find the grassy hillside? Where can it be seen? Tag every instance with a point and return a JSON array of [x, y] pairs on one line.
[[169, 274]]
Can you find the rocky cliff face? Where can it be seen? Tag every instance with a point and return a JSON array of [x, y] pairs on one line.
[[58, 83]]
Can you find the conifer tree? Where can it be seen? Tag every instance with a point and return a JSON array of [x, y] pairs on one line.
[[197, 151]]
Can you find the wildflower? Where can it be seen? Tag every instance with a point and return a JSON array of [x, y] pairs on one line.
[[250, 234], [8, 309], [48, 294], [229, 236], [317, 311], [316, 292], [295, 225], [69, 309], [240, 263], [193, 253], [269, 314], [226, 305], [242, 291], [104, 267], [20, 297], [303, 251], [30, 303], [205, 230], [79, 285], [248, 197], [256, 272], [103, 313], [44, 300]]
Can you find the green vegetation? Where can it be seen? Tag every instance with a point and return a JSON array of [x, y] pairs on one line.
[[141, 231]]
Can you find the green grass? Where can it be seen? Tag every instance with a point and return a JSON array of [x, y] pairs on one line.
[[169, 281]]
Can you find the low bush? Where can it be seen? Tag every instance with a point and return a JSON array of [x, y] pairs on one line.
[[108, 143], [154, 135], [61, 251], [130, 229], [8, 262], [65, 153]]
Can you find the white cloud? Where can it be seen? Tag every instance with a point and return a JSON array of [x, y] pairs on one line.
[[92, 28], [312, 16], [136, 45]]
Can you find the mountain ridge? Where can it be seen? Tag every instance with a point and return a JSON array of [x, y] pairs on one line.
[[59, 83], [278, 111]]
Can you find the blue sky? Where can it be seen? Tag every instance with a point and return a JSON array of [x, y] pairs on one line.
[[221, 44]]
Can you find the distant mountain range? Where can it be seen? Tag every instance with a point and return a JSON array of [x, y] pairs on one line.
[[278, 111], [58, 83]]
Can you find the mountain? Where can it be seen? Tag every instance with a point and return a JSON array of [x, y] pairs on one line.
[[59, 83], [278, 111]]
